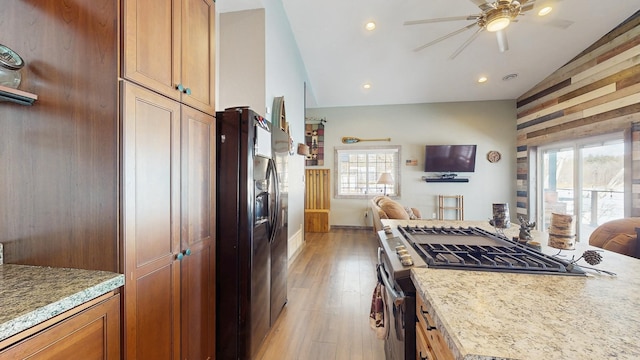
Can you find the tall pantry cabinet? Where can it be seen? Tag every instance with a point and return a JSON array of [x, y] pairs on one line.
[[168, 178]]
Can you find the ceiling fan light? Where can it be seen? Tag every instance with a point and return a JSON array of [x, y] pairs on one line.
[[498, 23]]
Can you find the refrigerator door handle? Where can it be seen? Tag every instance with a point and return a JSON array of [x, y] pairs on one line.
[[274, 217]]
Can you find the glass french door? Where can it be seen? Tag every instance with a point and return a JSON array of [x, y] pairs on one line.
[[585, 179]]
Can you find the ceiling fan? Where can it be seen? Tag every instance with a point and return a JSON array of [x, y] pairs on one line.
[[495, 17]]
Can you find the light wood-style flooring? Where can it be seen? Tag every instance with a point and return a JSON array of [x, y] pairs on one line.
[[330, 285]]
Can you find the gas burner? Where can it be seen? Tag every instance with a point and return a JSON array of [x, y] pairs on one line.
[[476, 249]]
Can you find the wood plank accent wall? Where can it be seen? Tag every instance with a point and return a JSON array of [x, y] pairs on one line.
[[597, 92], [317, 189]]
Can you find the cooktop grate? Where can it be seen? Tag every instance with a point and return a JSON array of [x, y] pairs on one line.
[[476, 249]]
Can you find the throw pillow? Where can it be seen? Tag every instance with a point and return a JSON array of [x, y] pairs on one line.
[[409, 211], [393, 209]]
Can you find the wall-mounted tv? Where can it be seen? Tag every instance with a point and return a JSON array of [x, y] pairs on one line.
[[450, 158]]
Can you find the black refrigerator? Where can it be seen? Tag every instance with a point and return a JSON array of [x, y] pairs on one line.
[[251, 242]]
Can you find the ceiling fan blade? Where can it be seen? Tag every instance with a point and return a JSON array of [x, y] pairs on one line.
[[483, 5], [503, 44], [466, 43], [446, 37], [527, 6], [452, 18]]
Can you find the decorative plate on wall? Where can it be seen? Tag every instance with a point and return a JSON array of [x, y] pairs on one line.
[[493, 156]]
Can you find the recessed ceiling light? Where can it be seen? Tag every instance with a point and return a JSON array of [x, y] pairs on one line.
[[370, 26], [482, 79], [545, 10], [366, 86]]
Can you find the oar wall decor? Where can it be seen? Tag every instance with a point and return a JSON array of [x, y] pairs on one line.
[[353, 140]]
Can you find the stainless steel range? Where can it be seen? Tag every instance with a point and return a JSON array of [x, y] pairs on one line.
[[400, 301], [459, 248]]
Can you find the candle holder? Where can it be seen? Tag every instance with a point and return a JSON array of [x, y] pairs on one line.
[[562, 232], [500, 220]]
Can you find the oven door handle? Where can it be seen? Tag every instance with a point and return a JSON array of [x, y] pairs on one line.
[[397, 297]]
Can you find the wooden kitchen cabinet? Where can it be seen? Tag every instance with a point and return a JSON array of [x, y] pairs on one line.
[[198, 278], [90, 334], [168, 200], [423, 351], [169, 47], [151, 223], [430, 344]]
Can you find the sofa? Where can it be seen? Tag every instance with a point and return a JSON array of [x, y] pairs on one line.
[[620, 236], [383, 207]]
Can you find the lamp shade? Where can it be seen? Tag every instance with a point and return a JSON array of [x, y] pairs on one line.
[[385, 178]]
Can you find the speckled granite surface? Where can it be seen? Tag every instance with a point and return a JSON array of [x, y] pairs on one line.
[[490, 315], [30, 295]]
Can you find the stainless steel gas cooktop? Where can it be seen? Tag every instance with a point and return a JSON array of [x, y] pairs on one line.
[[476, 249]]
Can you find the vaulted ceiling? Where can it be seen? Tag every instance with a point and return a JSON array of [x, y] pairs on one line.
[[341, 56]]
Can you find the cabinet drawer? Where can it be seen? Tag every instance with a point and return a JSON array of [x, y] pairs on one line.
[[423, 351], [91, 334], [432, 336]]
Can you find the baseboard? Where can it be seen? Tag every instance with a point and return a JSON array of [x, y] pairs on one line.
[[351, 227], [295, 245]]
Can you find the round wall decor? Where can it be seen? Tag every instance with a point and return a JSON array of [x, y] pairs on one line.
[[493, 156]]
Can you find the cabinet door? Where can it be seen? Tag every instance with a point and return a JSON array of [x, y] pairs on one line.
[[90, 334], [169, 47], [197, 235], [198, 54], [152, 43], [151, 232]]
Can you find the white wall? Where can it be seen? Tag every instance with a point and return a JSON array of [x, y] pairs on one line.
[[259, 60], [488, 124], [286, 76], [241, 60]]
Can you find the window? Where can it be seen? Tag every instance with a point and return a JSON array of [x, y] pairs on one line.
[[585, 178], [358, 170]]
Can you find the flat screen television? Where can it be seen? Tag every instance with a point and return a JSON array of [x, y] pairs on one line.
[[450, 158]]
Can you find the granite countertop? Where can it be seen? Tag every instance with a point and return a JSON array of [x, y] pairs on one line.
[[30, 295], [492, 315]]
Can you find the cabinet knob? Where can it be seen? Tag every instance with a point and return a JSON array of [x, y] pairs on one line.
[[187, 252], [180, 87], [179, 256], [187, 91]]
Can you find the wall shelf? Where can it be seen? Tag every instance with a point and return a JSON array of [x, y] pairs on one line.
[[457, 207], [439, 180], [17, 96]]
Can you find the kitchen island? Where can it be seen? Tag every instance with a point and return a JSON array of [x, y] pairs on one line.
[[32, 295], [496, 315]]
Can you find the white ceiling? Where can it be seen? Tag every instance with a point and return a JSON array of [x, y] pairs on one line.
[[340, 56]]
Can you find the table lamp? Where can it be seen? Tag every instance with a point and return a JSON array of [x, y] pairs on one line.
[[385, 179]]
